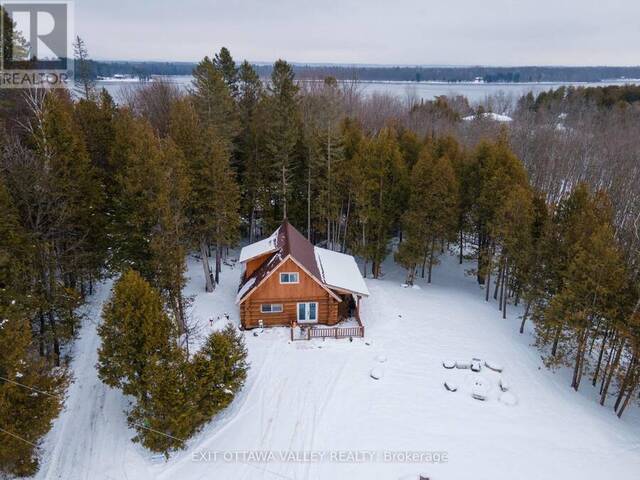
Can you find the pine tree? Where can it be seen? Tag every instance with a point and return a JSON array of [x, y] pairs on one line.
[[213, 204], [31, 392], [84, 82], [497, 172], [162, 415], [135, 328], [252, 166], [283, 129], [214, 103], [594, 291], [219, 371], [60, 200], [432, 212], [381, 194], [225, 64]]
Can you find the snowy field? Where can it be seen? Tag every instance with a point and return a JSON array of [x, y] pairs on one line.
[[318, 397]]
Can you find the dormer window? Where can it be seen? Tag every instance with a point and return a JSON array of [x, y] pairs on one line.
[[289, 277]]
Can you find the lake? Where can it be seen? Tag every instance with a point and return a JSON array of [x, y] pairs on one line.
[[475, 92]]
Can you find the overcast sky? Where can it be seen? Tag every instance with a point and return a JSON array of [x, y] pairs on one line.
[[444, 32]]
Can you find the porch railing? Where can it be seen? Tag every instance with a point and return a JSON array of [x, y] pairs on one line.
[[330, 332]]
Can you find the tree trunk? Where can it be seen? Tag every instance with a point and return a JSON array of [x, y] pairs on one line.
[[505, 294], [499, 279], [284, 191], [612, 370], [626, 382], [524, 316], [431, 259], [556, 341], [218, 263], [461, 246], [346, 225], [487, 282], [252, 225], [578, 367], [594, 381], [205, 265], [626, 400]]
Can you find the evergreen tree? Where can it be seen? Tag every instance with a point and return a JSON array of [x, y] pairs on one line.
[[31, 392], [219, 371], [380, 189], [253, 167], [283, 129], [431, 214], [225, 64], [134, 331], [214, 104], [213, 204], [84, 82]]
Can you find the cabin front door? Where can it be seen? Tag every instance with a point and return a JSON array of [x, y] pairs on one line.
[[308, 312]]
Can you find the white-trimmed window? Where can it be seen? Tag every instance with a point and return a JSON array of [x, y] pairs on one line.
[[271, 308], [289, 277]]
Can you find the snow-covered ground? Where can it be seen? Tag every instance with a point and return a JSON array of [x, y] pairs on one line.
[[318, 398]]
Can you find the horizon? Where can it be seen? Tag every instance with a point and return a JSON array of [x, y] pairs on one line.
[[368, 65]]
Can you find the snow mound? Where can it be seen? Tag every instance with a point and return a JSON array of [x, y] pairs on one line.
[[462, 364], [508, 398], [476, 366], [451, 386], [496, 367], [448, 364], [480, 389], [504, 385], [376, 373], [381, 358]]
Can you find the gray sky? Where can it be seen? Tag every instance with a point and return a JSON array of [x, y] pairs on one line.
[[449, 32]]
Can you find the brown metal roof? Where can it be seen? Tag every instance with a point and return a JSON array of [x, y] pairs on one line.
[[290, 242]]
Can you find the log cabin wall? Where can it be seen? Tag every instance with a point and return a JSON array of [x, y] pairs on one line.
[[271, 291]]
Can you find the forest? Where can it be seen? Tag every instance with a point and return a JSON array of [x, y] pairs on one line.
[[389, 73], [547, 207]]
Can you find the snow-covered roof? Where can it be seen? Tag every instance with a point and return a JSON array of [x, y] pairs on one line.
[[490, 116], [245, 288], [340, 271], [331, 269], [259, 248]]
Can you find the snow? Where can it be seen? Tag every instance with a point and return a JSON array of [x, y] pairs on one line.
[[451, 386], [245, 288], [508, 398], [381, 358], [496, 367], [261, 247], [340, 271], [448, 364], [376, 373], [504, 385], [489, 116], [318, 396]]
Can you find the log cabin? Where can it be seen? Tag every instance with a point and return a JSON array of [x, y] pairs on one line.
[[287, 280]]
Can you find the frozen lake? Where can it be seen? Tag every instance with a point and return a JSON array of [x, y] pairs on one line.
[[475, 92]]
